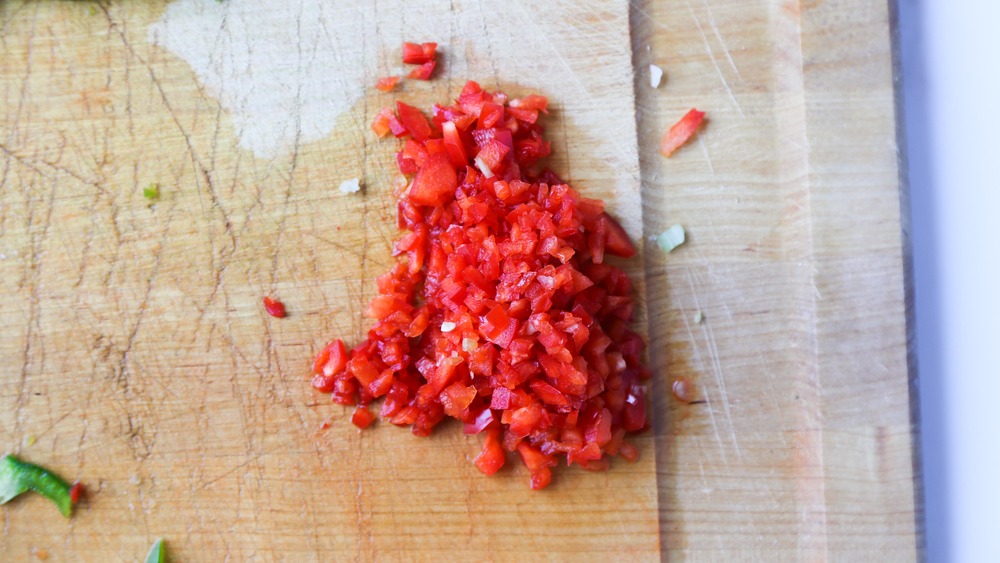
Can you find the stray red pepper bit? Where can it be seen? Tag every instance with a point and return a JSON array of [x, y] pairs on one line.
[[680, 132], [274, 307], [362, 417], [76, 492], [380, 125], [423, 72], [387, 83], [419, 54], [504, 314]]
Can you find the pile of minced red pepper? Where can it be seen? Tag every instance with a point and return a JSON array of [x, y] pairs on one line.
[[505, 313]]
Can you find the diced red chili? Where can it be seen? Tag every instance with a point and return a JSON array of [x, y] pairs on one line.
[[490, 114], [423, 72], [491, 155], [531, 102], [680, 132], [413, 121], [434, 183], [331, 360], [503, 313], [387, 83], [414, 53], [529, 116], [618, 242], [453, 144], [380, 125], [362, 417], [76, 492], [274, 307], [492, 457]]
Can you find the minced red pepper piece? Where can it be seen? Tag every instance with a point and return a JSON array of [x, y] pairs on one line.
[[76, 492], [680, 132], [423, 72], [362, 417], [505, 314], [414, 53], [274, 307], [380, 125], [413, 121], [387, 83]]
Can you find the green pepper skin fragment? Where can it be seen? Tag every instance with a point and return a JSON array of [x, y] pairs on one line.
[[18, 476], [157, 553]]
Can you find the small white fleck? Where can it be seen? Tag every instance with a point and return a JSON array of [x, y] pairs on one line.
[[699, 317], [483, 167], [671, 238], [469, 344], [350, 186], [655, 75], [447, 326]]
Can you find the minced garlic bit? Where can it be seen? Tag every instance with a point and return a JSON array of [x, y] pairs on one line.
[[469, 344], [671, 238], [447, 326], [698, 317], [655, 75], [350, 186]]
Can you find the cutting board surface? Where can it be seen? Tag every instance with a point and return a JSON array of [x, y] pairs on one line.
[[136, 355]]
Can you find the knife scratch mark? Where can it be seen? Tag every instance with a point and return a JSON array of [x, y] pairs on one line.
[[254, 458], [715, 64], [718, 36]]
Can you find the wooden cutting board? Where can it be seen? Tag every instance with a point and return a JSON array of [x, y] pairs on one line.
[[138, 358]]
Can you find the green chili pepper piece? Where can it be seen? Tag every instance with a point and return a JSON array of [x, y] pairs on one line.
[[18, 476], [157, 553]]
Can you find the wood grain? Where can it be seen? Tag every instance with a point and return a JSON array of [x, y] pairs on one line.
[[803, 448], [135, 346], [135, 351]]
